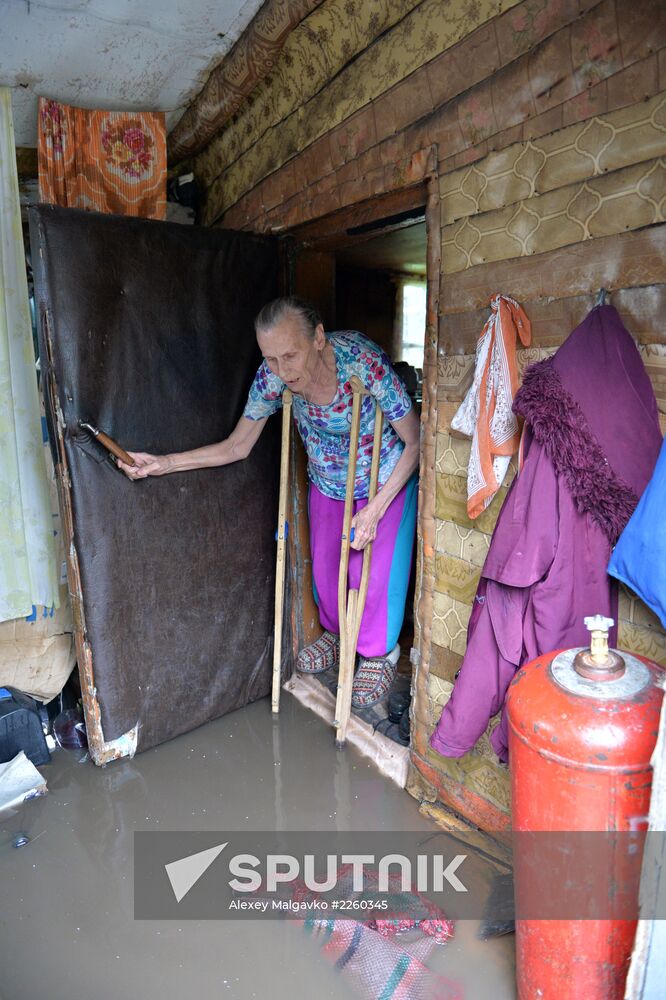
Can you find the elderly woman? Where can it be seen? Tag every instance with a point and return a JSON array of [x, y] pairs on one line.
[[317, 368]]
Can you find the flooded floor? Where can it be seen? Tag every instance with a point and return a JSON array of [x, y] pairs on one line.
[[67, 930]]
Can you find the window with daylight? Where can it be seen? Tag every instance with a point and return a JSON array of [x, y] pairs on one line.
[[412, 319]]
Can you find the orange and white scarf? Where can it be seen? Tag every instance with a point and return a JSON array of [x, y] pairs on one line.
[[486, 413]]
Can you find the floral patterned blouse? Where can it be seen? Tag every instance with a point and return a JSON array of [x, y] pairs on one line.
[[325, 429]]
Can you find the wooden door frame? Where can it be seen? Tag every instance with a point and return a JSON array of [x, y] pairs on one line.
[[332, 232], [351, 225]]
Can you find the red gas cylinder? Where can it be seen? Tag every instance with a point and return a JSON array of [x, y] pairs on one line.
[[582, 727]]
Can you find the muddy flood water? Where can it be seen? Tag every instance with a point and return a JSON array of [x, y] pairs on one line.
[[67, 925]]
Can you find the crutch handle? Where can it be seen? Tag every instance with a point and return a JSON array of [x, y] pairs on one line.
[[286, 531], [351, 534], [357, 386]]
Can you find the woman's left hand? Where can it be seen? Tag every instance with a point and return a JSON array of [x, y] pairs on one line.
[[365, 526]]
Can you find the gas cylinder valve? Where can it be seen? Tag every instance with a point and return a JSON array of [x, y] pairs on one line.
[[599, 663], [599, 627]]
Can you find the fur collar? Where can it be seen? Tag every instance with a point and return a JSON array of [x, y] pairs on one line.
[[559, 425]]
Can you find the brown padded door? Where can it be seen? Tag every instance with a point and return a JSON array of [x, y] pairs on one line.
[[147, 332]]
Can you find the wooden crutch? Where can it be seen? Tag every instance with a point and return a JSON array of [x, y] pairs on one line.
[[281, 536], [351, 604]]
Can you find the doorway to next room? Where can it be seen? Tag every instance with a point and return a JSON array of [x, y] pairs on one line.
[[371, 277]]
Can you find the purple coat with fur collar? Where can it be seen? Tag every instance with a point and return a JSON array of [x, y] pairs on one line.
[[590, 444]]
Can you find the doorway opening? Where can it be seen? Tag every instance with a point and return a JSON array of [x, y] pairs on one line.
[[370, 275]]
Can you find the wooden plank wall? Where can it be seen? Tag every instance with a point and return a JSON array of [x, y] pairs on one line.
[[550, 221], [549, 117]]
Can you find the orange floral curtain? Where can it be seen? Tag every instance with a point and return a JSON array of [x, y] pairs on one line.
[[106, 161]]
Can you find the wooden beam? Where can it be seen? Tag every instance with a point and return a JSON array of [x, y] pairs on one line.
[[331, 232], [627, 260], [554, 318]]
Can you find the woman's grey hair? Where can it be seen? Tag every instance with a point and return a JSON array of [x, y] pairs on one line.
[[289, 305]]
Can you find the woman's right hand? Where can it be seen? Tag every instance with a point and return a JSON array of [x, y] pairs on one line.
[[145, 465]]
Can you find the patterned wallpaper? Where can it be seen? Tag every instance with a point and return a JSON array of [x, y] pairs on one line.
[[293, 108], [588, 149], [559, 61], [235, 78], [313, 54], [625, 199]]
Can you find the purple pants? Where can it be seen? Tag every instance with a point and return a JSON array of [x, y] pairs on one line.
[[389, 567]]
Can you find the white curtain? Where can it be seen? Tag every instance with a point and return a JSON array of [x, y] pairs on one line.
[[28, 573]]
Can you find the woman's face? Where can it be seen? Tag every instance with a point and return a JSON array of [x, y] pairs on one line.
[[290, 353]]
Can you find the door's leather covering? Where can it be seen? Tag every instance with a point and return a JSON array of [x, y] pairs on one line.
[[152, 340]]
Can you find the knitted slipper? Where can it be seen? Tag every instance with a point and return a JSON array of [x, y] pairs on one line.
[[374, 678], [320, 655]]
